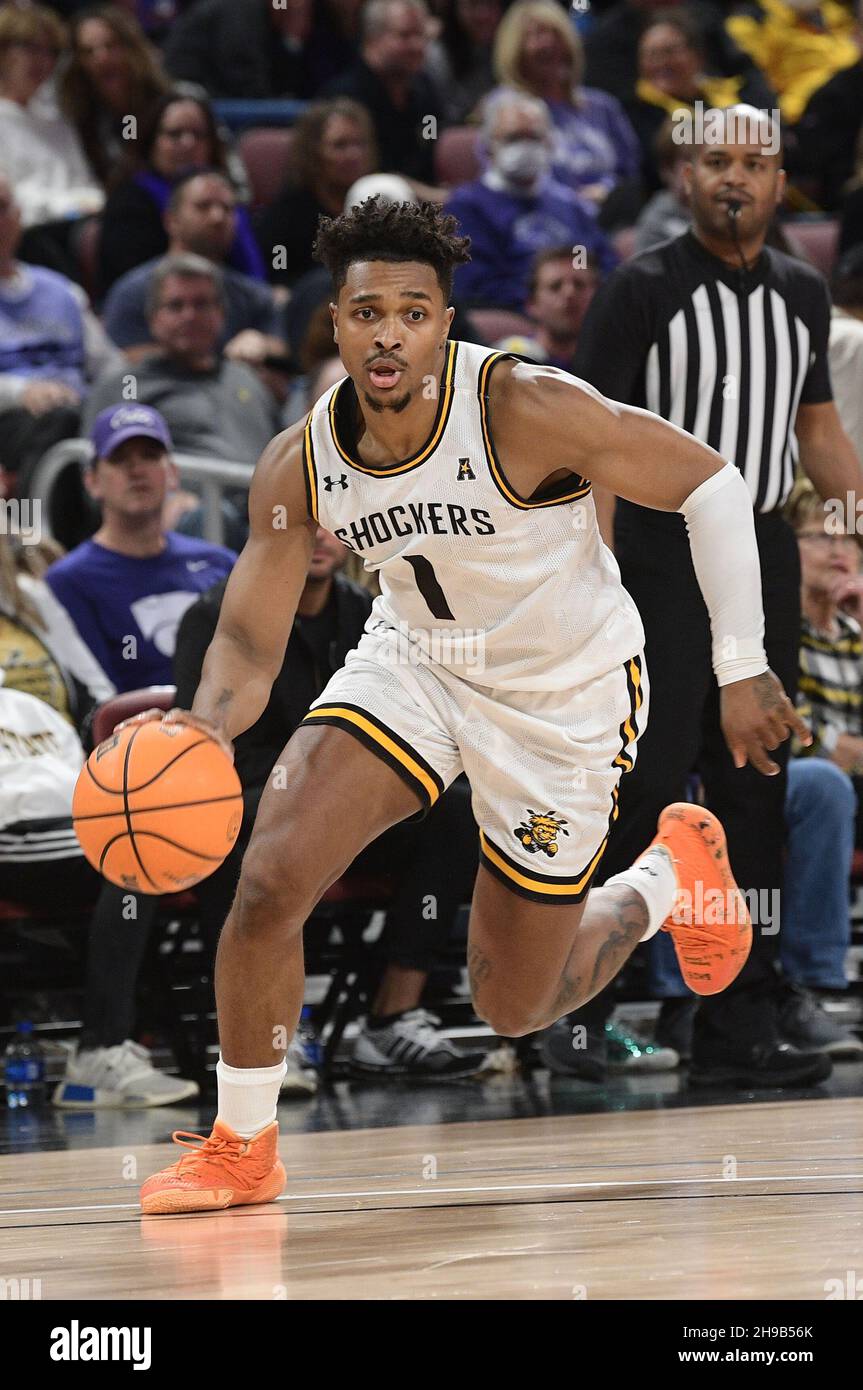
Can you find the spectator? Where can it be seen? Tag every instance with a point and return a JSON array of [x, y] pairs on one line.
[[612, 47], [200, 220], [113, 78], [846, 344], [128, 586], [824, 778], [178, 137], [256, 49], [559, 293], [126, 590], [41, 651], [389, 79], [516, 207], [51, 347], [656, 337], [799, 47], [437, 856], [215, 408], [334, 145], [851, 226], [538, 51], [666, 213], [41, 864], [826, 142], [460, 60], [40, 153], [671, 76]]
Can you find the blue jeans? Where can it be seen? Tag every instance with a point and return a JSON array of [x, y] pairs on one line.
[[820, 813], [815, 930]]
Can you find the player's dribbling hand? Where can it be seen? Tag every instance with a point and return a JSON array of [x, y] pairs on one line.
[[756, 716], [180, 716]]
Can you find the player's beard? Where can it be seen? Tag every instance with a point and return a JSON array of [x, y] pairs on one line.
[[395, 406]]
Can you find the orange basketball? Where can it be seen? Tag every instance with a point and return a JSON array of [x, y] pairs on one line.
[[157, 807]]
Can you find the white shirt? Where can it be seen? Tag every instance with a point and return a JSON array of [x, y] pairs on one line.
[[42, 157], [845, 354]]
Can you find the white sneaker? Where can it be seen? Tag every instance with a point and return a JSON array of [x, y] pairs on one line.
[[121, 1077], [415, 1046], [301, 1079]]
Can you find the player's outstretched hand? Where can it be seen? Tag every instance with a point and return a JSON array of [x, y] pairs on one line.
[[756, 716], [180, 716]]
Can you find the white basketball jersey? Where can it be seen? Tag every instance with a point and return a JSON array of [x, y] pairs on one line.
[[505, 591]]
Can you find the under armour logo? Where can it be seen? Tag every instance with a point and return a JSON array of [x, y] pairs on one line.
[[464, 471], [330, 483]]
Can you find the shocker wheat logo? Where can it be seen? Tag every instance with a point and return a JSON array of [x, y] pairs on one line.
[[539, 832]]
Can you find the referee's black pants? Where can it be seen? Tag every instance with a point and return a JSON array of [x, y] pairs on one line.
[[683, 735]]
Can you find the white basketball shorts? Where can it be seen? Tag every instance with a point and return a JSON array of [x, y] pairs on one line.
[[543, 766]]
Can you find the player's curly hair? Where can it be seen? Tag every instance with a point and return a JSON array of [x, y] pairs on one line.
[[385, 231]]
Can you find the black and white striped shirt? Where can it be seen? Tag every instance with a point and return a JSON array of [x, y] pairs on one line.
[[727, 354]]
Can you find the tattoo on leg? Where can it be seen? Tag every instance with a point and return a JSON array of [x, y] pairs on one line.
[[569, 991], [631, 920], [478, 969], [630, 916]]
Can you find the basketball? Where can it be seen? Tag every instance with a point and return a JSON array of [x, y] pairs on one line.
[[157, 807]]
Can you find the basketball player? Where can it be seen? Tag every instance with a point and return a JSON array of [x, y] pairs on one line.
[[502, 643]]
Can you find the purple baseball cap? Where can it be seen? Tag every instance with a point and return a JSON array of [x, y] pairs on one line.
[[112, 427]]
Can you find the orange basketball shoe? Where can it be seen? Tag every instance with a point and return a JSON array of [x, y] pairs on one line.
[[222, 1171], [709, 924]]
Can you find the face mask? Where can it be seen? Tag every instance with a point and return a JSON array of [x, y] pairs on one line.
[[522, 161]]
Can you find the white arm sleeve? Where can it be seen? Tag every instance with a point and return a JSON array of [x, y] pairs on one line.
[[721, 528]]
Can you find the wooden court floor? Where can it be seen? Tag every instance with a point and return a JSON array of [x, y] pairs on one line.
[[725, 1202]]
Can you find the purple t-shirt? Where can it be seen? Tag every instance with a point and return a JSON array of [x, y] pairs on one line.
[[507, 231], [127, 609]]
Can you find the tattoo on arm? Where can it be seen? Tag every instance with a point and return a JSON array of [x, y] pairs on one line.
[[224, 699]]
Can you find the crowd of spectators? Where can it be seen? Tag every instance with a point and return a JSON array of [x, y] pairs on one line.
[[143, 270]]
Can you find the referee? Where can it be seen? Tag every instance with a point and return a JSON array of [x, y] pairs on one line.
[[727, 338]]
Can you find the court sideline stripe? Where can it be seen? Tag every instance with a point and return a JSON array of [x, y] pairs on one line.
[[449, 1191]]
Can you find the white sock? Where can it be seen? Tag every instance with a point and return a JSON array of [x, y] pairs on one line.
[[653, 877], [248, 1096]]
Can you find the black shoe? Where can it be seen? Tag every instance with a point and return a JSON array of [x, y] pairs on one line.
[[674, 1025], [766, 1064], [805, 1024], [571, 1049]]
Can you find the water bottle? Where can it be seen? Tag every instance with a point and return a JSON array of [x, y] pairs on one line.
[[312, 1047], [24, 1070]]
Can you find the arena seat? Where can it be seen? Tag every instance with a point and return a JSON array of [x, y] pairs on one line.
[[267, 152], [456, 156], [128, 704], [88, 239], [818, 238]]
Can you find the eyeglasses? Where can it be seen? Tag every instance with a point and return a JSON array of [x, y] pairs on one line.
[[823, 539]]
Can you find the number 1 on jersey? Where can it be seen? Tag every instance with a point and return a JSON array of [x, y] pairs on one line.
[[427, 583]]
